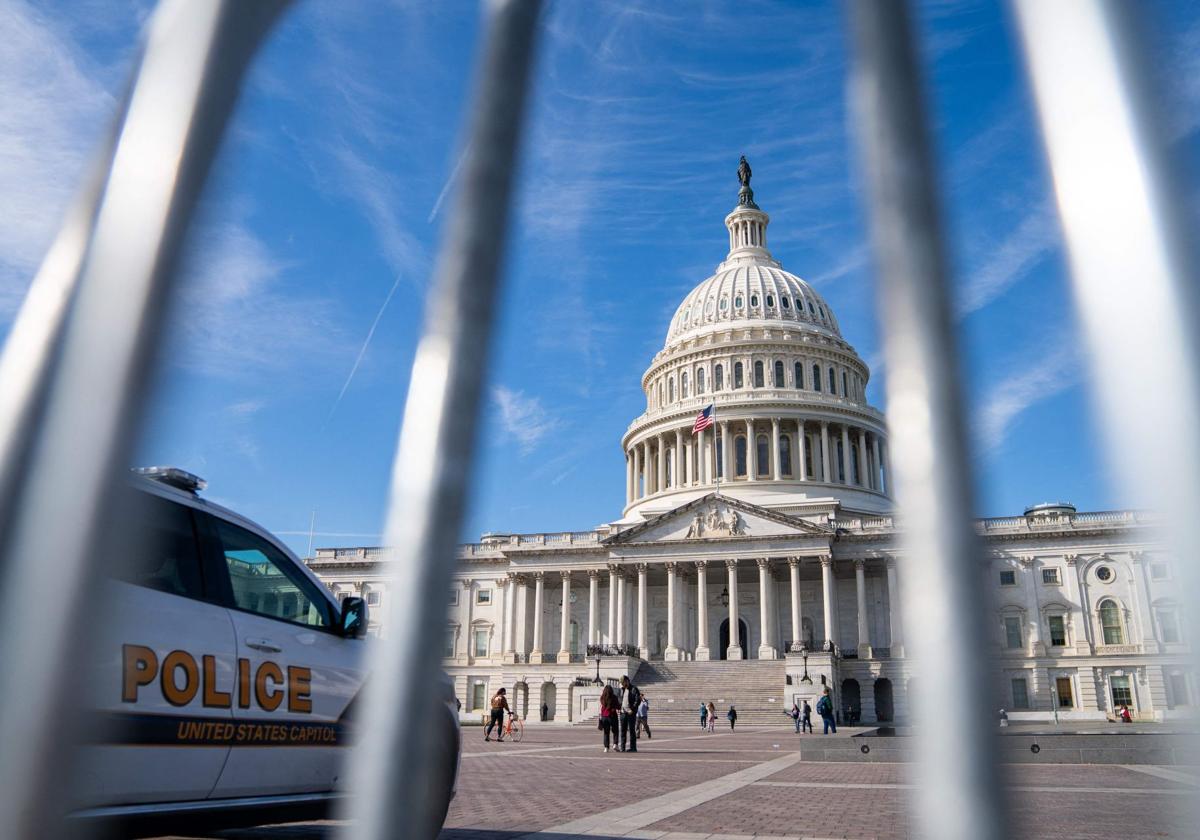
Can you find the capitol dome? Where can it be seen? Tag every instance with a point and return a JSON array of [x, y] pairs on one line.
[[787, 391]]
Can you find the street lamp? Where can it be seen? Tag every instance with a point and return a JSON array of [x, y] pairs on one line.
[[806, 678], [597, 680], [724, 596]]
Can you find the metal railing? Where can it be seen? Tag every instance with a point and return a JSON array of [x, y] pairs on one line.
[[73, 374], [612, 650]]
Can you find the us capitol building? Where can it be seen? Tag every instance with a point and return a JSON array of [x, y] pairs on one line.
[[756, 561]]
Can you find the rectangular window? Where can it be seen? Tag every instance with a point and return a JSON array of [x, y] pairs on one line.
[[1008, 578], [478, 696], [1121, 693], [1062, 688], [483, 596], [481, 642], [1050, 577], [1159, 571], [448, 648], [1012, 632], [1179, 690], [372, 599], [453, 602], [1020, 694], [1058, 631], [1168, 621], [758, 375]]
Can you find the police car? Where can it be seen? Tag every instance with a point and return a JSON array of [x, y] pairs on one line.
[[228, 676]]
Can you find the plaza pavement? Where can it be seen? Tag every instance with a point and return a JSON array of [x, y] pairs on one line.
[[688, 785]]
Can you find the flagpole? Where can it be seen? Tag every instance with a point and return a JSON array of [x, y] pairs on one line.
[[716, 453]]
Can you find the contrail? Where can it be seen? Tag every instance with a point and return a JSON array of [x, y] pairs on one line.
[[437, 205], [362, 350]]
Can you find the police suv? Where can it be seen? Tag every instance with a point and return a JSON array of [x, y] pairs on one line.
[[227, 676]]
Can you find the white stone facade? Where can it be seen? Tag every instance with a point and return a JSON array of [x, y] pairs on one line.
[[780, 545]]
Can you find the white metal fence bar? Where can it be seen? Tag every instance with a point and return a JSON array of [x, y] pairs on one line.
[[941, 597], [433, 461], [1127, 231], [88, 338]]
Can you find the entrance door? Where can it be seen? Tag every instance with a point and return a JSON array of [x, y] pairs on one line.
[[851, 701], [883, 700], [743, 632]]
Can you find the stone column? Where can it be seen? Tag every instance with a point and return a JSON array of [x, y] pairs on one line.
[[593, 606], [510, 611], [860, 586], [826, 474], [688, 474], [612, 604], [797, 620], [1034, 618], [564, 644], [887, 469], [801, 452], [726, 452], [735, 643], [827, 594], [637, 471], [647, 472], [702, 652], [847, 470], [1149, 638], [466, 605], [776, 470], [765, 649], [661, 460], [864, 469], [679, 461], [701, 448], [1079, 625], [519, 616], [539, 581], [671, 654], [896, 642], [628, 477], [875, 467], [643, 648], [621, 609]]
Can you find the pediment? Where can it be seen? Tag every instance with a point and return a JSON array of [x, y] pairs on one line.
[[714, 517]]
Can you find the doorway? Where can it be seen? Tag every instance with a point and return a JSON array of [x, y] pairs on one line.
[[743, 632], [884, 710]]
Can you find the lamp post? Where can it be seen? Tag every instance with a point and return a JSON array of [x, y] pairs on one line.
[[597, 680], [806, 678]]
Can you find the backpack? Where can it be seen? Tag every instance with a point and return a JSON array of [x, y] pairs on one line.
[[823, 706]]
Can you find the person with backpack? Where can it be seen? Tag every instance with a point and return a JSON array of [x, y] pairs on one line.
[[630, 699], [608, 715], [643, 717], [732, 715], [703, 716], [825, 710], [795, 713], [806, 719], [499, 707]]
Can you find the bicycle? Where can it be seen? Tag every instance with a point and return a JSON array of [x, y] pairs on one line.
[[514, 728]]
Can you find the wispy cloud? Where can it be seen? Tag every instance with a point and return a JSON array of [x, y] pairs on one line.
[[1034, 381], [1034, 237], [522, 418]]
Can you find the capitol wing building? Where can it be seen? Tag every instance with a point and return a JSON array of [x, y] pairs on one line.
[[756, 560]]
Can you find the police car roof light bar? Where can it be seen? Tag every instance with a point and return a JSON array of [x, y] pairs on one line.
[[173, 477]]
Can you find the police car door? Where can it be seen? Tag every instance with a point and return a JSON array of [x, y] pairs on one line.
[[161, 684], [296, 674]]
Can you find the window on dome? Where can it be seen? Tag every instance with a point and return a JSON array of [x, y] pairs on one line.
[[754, 300], [720, 451], [683, 385], [811, 311], [832, 382], [758, 374], [779, 383], [709, 309], [670, 459], [763, 455], [718, 378], [785, 454], [854, 466], [770, 302], [670, 390], [660, 393], [739, 456], [785, 303], [799, 372], [724, 304], [700, 381], [840, 467], [845, 387], [822, 308], [816, 378], [737, 375], [737, 302]]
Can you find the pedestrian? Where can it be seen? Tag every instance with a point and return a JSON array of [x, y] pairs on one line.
[[499, 707], [806, 719], [545, 712], [643, 717], [630, 699], [825, 710], [795, 713], [1125, 714], [608, 715], [712, 716], [703, 716], [732, 715]]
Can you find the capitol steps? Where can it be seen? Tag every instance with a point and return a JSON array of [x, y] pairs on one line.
[[676, 689]]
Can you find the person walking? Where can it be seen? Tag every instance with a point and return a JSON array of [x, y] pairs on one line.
[[630, 699], [643, 717], [712, 717], [795, 713], [732, 715], [499, 707], [1126, 716], [806, 719], [703, 716], [545, 712], [825, 710], [608, 715]]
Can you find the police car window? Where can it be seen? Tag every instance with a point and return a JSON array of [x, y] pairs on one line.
[[263, 581], [159, 548]]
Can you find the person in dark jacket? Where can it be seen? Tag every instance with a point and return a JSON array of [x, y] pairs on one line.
[[630, 698], [825, 710], [732, 715]]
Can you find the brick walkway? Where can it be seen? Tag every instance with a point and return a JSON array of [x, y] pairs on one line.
[[684, 785]]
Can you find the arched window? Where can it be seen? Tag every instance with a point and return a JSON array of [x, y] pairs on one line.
[[854, 464], [739, 456], [816, 377], [754, 300], [770, 302], [785, 303], [799, 371], [724, 304], [720, 453], [1110, 622], [763, 455], [785, 454], [840, 466], [670, 458], [670, 390], [737, 302], [683, 385], [758, 374], [845, 387], [718, 378], [700, 381], [660, 393], [737, 375], [832, 382], [778, 374]]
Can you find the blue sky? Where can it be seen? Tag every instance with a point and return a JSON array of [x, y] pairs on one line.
[[336, 176]]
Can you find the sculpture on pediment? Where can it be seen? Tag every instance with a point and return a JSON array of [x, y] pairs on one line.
[[719, 520], [696, 529]]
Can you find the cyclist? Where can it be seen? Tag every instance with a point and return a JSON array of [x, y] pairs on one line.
[[499, 707]]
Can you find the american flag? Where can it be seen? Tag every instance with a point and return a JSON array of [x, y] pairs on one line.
[[703, 420]]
